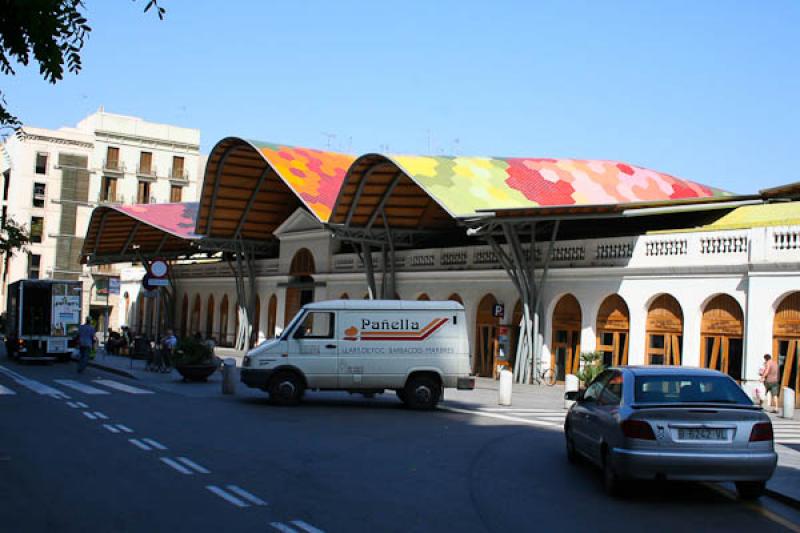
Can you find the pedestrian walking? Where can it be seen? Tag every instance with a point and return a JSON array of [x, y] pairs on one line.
[[86, 340], [770, 374]]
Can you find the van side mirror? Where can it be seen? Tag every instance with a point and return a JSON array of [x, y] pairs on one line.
[[574, 395]]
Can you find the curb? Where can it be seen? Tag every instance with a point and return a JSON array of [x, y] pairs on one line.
[[112, 370], [783, 498]]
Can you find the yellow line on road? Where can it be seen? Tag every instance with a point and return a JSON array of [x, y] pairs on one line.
[[766, 513]]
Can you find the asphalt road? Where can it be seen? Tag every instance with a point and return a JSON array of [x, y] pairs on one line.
[[336, 463]]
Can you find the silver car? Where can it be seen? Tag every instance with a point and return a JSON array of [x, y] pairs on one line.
[[671, 423]]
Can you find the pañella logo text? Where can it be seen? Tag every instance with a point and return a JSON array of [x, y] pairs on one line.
[[393, 330]]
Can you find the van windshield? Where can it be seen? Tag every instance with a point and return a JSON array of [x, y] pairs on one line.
[[285, 333]]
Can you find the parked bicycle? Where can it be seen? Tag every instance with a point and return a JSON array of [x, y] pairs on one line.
[[549, 375]]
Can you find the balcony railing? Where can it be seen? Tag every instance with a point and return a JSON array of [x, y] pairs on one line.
[[696, 250], [146, 171], [179, 174], [113, 165]]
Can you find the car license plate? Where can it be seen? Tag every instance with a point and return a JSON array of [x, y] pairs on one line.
[[702, 434]]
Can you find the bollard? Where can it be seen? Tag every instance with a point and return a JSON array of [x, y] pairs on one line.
[[571, 383], [229, 376], [788, 402], [504, 388]]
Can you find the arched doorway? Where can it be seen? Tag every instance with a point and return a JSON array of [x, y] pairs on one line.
[[566, 346], [664, 331], [195, 321], [223, 322], [722, 330], [423, 298], [613, 330], [786, 341], [184, 315], [455, 298], [301, 286], [210, 316], [485, 337], [272, 316]]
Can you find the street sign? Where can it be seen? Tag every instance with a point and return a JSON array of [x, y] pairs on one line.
[[113, 286], [499, 310], [150, 283], [159, 268]]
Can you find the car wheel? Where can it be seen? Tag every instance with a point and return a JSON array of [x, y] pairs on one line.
[[751, 490], [611, 481], [422, 392], [286, 388], [572, 455]]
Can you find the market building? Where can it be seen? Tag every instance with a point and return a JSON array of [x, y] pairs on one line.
[[587, 255]]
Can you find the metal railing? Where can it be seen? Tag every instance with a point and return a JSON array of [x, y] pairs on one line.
[[113, 165], [178, 173], [147, 171]]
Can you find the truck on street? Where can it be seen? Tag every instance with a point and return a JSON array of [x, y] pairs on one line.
[[42, 317]]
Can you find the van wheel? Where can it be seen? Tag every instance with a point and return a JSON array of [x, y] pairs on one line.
[[286, 388], [422, 392]]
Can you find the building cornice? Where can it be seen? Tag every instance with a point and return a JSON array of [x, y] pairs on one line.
[[25, 136], [112, 136]]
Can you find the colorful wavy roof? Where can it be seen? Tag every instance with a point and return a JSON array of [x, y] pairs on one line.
[[314, 175], [465, 185], [178, 219]]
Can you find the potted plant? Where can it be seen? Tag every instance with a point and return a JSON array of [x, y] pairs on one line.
[[591, 368], [194, 359]]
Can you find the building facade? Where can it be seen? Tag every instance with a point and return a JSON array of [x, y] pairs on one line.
[[52, 179]]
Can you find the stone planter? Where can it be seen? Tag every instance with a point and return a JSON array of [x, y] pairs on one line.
[[196, 372]]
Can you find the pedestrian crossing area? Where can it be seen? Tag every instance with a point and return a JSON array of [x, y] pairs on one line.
[[64, 389], [786, 431]]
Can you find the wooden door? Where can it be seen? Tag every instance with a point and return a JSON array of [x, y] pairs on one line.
[[664, 331], [722, 332], [566, 344], [786, 342], [613, 331], [485, 337]]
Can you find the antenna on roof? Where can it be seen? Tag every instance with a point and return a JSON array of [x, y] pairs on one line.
[[330, 137]]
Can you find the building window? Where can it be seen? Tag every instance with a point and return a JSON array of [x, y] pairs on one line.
[[34, 263], [175, 193], [41, 163], [38, 194], [108, 189], [37, 229], [177, 168], [146, 163], [143, 195], [112, 158]]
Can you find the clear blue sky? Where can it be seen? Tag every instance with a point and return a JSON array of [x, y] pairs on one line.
[[705, 90]]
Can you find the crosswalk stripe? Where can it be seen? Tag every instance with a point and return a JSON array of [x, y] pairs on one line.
[[230, 498], [33, 385], [175, 465], [252, 498], [6, 390], [155, 444], [283, 528], [139, 444], [306, 527], [110, 383], [111, 428], [80, 387], [194, 466]]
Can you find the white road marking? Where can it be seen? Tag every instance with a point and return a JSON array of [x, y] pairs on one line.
[[100, 415], [140, 444], [529, 421], [230, 498], [283, 527], [81, 404], [252, 498], [194, 466], [177, 466], [122, 386], [89, 415], [306, 527], [73, 405], [80, 387], [126, 429], [33, 385], [6, 390], [155, 444], [111, 428]]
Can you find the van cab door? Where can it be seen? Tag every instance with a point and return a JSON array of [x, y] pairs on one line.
[[314, 349]]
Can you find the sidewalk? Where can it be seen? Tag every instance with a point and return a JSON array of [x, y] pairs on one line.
[[784, 485]]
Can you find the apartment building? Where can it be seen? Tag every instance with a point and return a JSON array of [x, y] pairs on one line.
[[52, 179]]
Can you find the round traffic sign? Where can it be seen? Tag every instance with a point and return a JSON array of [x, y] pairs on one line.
[[158, 268]]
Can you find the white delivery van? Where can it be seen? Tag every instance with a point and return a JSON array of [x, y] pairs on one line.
[[366, 346]]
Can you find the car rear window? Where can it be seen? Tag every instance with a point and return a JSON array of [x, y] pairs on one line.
[[688, 389]]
